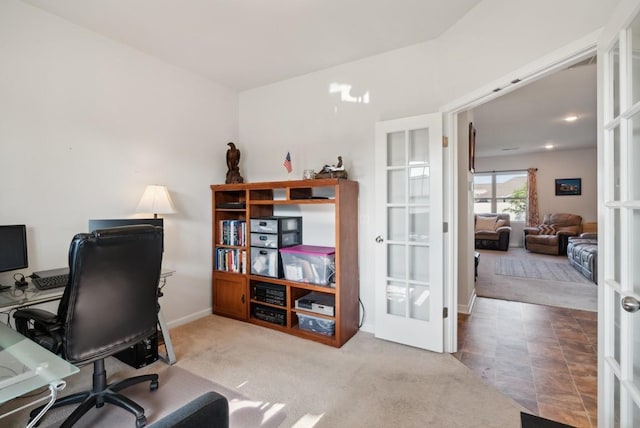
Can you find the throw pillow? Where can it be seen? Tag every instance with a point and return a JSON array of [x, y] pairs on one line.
[[500, 223], [486, 223], [547, 229]]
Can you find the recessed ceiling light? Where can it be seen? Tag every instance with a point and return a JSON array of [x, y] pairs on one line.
[[548, 146], [571, 118]]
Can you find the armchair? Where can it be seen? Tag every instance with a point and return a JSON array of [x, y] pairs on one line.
[[492, 231], [109, 304], [552, 236]]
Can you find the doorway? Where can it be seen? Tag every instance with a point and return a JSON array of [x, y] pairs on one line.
[[518, 346]]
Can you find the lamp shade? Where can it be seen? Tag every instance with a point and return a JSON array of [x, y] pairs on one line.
[[156, 200]]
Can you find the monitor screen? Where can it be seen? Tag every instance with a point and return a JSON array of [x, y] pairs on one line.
[[13, 247]]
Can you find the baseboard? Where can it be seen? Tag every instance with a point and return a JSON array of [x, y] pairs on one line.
[[468, 307], [191, 317]]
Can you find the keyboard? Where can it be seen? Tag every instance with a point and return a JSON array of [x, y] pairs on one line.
[[48, 282]]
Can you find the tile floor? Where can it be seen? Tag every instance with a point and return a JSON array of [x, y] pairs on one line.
[[543, 357]]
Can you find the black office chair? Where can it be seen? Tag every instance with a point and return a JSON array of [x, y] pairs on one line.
[[109, 304]]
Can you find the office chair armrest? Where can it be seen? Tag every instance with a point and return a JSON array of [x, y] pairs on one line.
[[40, 326], [43, 321], [38, 315]]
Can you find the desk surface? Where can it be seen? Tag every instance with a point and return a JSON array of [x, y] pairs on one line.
[[20, 355]]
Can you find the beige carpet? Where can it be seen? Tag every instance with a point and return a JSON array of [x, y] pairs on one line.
[[177, 387], [562, 288], [298, 383]]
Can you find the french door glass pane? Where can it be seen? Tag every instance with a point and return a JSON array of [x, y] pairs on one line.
[[419, 185], [419, 258], [634, 153], [397, 223], [397, 256], [616, 400], [396, 149], [616, 163], [419, 224], [635, 59], [617, 256], [635, 254], [419, 146], [617, 308], [396, 187], [419, 302], [615, 81], [397, 298], [636, 352]]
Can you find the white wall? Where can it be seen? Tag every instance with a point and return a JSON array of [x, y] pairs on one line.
[[551, 165], [86, 123], [301, 116]]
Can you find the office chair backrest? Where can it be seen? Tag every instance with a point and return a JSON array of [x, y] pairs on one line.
[[111, 301]]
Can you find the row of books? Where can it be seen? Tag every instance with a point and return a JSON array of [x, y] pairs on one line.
[[233, 232], [231, 260]]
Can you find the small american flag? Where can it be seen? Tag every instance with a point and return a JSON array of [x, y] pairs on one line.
[[287, 163]]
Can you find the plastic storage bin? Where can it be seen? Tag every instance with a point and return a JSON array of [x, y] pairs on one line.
[[276, 224], [317, 325], [279, 240], [266, 262], [309, 263]]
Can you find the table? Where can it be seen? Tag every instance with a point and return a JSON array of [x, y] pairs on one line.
[[26, 366], [29, 296]]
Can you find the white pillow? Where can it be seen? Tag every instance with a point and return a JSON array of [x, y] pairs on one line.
[[486, 223]]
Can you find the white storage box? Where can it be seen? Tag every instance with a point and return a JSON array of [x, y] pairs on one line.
[[266, 262], [316, 324], [309, 263], [276, 224]]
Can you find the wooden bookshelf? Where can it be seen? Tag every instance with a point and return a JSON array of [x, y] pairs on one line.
[[231, 291]]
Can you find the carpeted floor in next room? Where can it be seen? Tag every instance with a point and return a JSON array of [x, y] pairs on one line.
[[543, 356]]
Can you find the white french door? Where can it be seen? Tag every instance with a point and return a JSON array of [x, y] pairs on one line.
[[409, 246], [619, 203]]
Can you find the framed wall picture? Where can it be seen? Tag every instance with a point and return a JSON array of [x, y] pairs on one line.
[[472, 147], [568, 186]]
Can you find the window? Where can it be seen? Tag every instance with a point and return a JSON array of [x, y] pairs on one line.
[[500, 192]]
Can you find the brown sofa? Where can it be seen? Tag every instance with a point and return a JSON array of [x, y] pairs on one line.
[[492, 231], [552, 236]]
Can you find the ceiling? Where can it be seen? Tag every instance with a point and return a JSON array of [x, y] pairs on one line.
[[244, 44], [527, 119]]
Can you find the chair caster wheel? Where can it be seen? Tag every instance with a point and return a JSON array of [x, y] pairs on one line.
[[141, 421], [153, 386]]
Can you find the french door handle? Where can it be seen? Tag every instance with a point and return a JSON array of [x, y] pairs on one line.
[[630, 304]]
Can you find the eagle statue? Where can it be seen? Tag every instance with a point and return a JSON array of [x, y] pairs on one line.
[[233, 159]]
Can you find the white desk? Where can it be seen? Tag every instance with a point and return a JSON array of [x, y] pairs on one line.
[[29, 296], [26, 366]]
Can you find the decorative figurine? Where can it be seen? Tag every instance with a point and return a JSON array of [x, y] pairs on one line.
[[233, 159], [333, 171]]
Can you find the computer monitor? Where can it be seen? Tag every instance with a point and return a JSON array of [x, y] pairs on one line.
[[13, 247]]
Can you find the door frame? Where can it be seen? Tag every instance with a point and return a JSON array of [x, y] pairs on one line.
[[560, 59]]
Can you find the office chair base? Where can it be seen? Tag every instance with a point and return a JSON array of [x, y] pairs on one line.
[[101, 394]]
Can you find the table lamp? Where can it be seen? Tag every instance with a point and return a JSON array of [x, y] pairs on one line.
[[156, 200]]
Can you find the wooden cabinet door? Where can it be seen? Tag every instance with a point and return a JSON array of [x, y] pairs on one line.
[[229, 295]]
